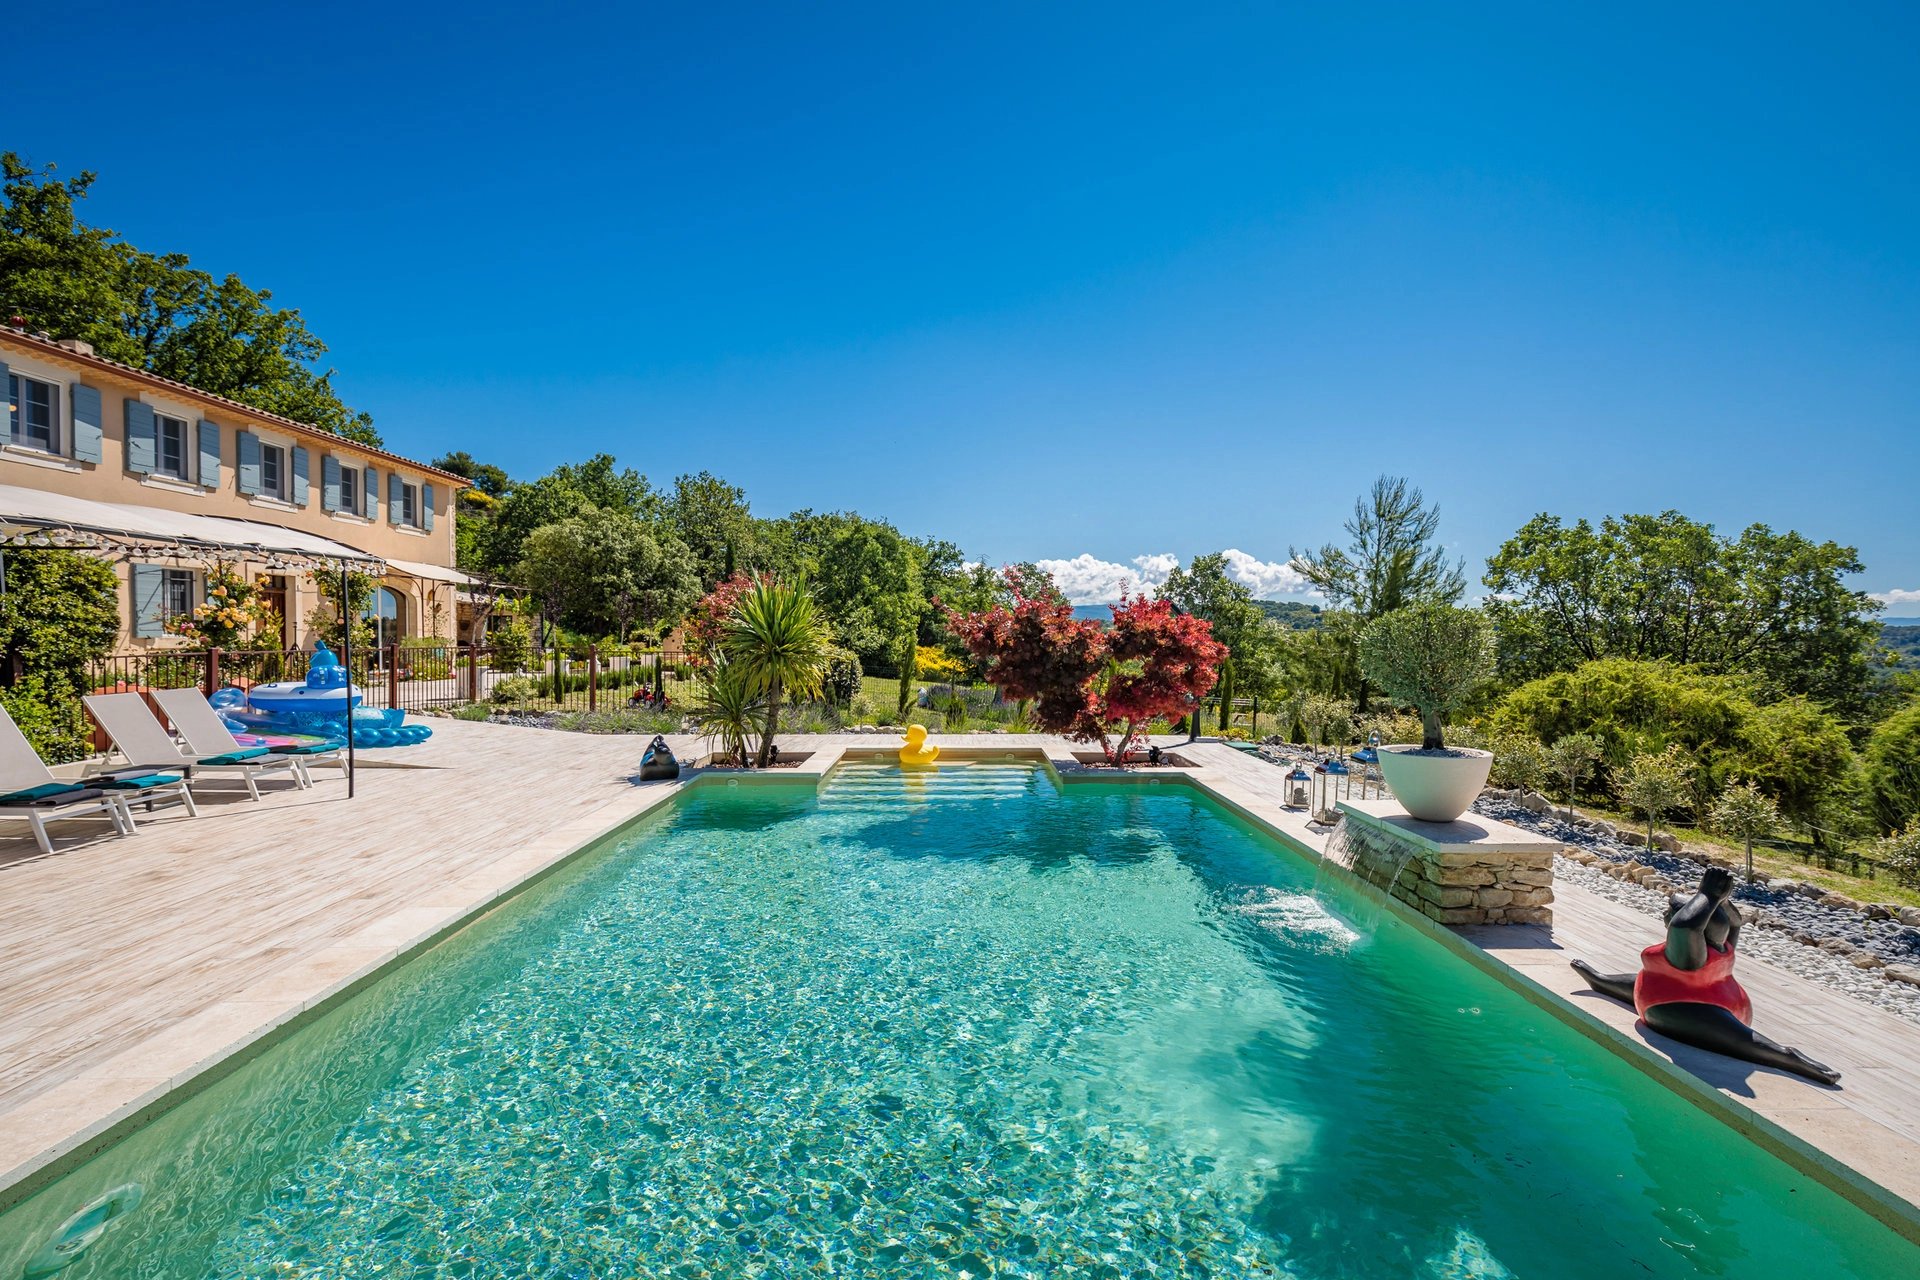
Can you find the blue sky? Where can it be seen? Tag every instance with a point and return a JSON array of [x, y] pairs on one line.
[[1091, 284]]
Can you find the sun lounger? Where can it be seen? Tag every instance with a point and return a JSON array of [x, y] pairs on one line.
[[147, 745], [30, 793], [207, 734]]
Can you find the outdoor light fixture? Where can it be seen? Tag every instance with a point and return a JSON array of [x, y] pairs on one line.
[[1297, 788]]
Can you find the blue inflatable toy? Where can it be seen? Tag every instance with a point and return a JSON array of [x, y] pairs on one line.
[[316, 707]]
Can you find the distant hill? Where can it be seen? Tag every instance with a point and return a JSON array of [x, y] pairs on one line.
[[1288, 613], [1903, 637], [1291, 613], [1900, 622]]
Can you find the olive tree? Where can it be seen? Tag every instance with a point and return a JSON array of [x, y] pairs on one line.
[[1655, 783], [1433, 656], [1744, 812], [1572, 757]]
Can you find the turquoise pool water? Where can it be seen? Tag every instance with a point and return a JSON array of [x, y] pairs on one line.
[[949, 1024]]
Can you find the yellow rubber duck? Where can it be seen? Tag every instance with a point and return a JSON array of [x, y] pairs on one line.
[[917, 750]]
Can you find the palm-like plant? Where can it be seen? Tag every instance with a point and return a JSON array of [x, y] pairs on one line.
[[780, 646], [728, 710]]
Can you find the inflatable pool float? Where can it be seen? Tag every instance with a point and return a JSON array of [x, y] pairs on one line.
[[313, 709], [326, 689], [917, 750]]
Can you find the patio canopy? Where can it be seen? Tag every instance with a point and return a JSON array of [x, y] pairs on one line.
[[35, 518], [432, 572]]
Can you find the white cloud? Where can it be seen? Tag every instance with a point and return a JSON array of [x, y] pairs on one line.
[[1267, 579], [1899, 598], [1087, 579]]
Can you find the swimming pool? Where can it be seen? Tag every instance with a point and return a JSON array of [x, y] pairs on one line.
[[946, 1023]]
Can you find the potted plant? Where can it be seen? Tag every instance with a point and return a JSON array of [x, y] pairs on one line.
[[1434, 656]]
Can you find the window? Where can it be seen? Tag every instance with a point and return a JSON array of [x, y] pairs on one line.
[[169, 446], [33, 413], [176, 593], [350, 489], [410, 505], [273, 470]]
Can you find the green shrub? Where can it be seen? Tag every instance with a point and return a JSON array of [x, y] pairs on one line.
[[59, 614], [514, 689], [1900, 854], [1893, 770], [472, 711], [512, 646], [843, 677]]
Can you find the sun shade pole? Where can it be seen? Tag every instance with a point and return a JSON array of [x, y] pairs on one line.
[[346, 650]]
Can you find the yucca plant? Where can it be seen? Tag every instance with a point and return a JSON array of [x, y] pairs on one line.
[[780, 646], [728, 710]]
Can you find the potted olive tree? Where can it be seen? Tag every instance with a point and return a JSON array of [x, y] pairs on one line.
[[1434, 656]]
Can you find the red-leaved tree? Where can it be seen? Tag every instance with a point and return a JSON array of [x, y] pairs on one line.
[[708, 619], [1083, 681]]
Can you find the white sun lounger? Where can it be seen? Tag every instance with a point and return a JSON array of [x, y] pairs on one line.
[[30, 792], [207, 734], [146, 744]]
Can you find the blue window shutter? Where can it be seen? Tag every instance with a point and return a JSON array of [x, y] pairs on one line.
[[6, 389], [87, 430], [148, 579], [396, 497], [209, 454], [139, 437], [247, 469], [426, 507], [299, 492], [330, 482], [371, 488]]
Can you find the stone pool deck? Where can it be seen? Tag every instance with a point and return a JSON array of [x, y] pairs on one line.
[[130, 967]]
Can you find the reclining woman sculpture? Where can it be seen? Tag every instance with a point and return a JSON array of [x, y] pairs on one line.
[[1686, 988]]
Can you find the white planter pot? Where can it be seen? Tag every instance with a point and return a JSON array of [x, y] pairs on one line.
[[1434, 786]]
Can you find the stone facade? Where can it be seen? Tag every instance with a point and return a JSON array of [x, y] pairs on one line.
[[1470, 872]]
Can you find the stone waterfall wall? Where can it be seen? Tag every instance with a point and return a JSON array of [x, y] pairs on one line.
[[1455, 873]]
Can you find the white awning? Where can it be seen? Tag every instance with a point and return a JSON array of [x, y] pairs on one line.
[[432, 572], [33, 517]]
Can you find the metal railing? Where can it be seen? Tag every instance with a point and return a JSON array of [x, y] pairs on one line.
[[418, 675]]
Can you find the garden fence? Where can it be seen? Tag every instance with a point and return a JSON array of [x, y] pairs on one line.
[[417, 675]]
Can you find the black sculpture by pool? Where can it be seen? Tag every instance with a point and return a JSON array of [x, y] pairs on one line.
[[658, 764], [1686, 988]]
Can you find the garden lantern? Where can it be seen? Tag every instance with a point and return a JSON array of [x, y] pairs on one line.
[[1297, 788], [1367, 758], [1320, 804], [1339, 781]]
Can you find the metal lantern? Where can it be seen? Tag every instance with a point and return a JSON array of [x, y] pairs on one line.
[[1368, 758], [1339, 781], [1320, 805], [1297, 788]]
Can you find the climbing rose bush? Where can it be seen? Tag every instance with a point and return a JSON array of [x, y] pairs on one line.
[[1084, 681]]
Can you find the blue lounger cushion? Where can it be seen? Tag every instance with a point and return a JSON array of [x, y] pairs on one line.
[[53, 798], [44, 791], [236, 757], [142, 783]]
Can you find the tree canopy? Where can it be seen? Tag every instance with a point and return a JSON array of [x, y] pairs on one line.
[[1666, 588], [157, 312], [1392, 557]]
